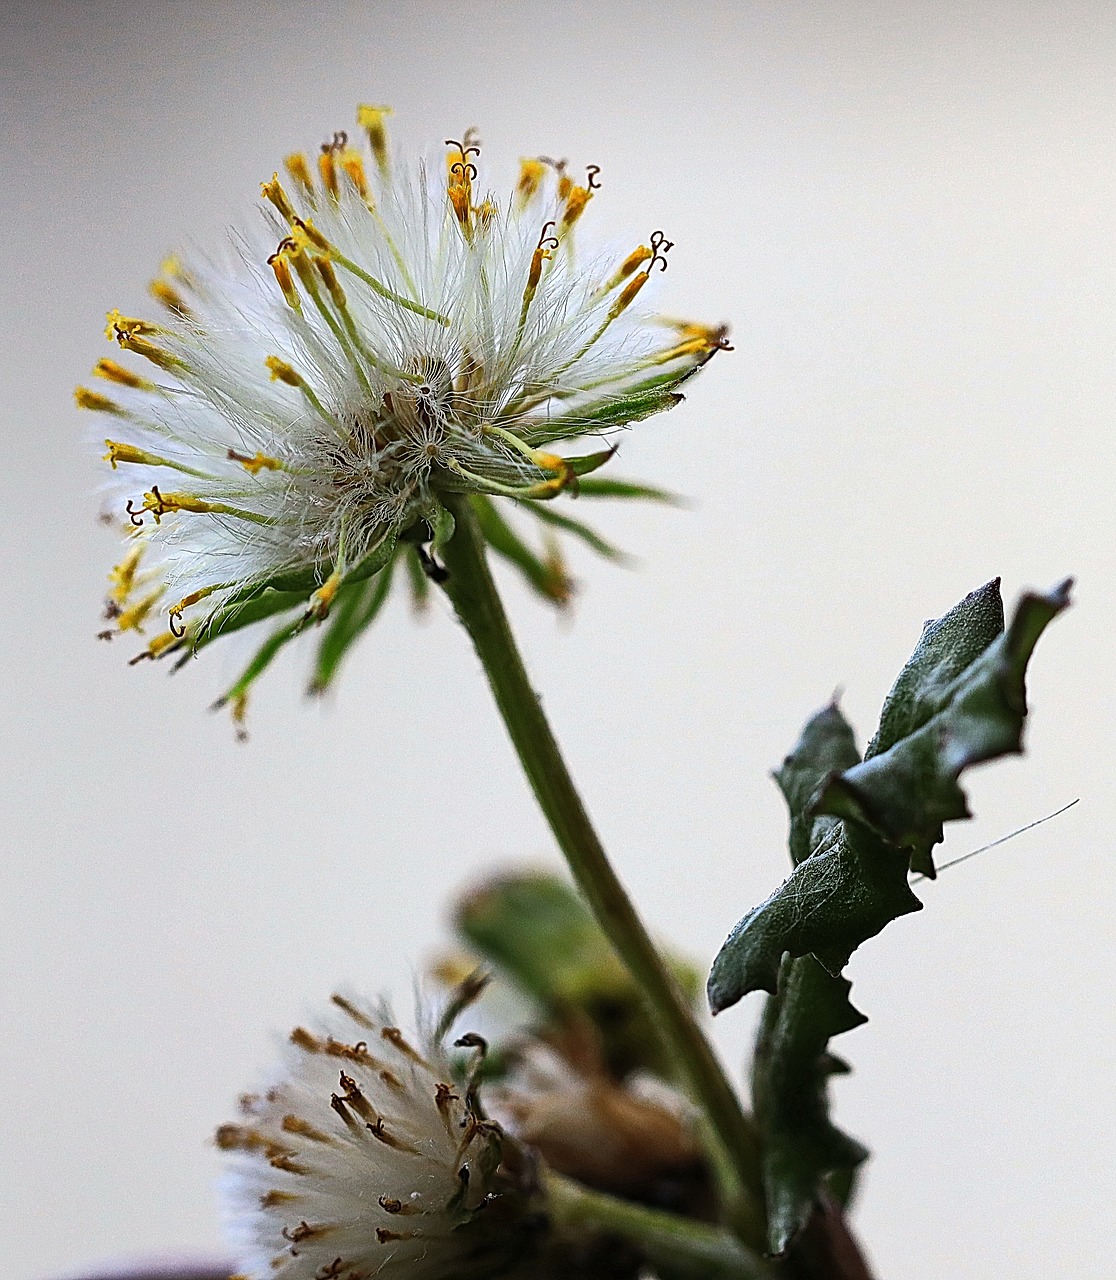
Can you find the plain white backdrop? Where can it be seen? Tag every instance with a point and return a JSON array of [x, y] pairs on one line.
[[907, 212]]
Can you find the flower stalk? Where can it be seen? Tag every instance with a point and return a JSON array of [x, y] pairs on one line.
[[687, 1248], [472, 591]]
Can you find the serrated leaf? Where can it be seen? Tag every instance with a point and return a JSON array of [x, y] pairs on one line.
[[967, 705], [803, 1150], [966, 714], [847, 890], [827, 746], [947, 646]]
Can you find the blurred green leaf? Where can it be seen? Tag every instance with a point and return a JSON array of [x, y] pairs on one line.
[[535, 930], [356, 609]]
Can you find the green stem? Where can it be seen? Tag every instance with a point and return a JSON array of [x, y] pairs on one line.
[[680, 1246], [470, 587]]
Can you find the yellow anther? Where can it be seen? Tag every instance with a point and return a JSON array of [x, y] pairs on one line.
[[86, 399], [254, 465], [327, 167], [326, 271], [279, 264], [125, 377], [353, 164], [298, 167], [321, 601], [486, 213], [691, 347], [175, 612], [164, 292], [307, 234], [627, 295], [576, 200], [281, 371], [123, 575], [631, 263], [118, 453], [118, 324], [531, 174], [161, 504], [163, 641], [173, 267], [132, 341], [372, 119], [274, 192], [462, 206], [133, 619], [565, 184]]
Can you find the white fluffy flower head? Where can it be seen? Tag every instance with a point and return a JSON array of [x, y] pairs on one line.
[[387, 335], [365, 1159]]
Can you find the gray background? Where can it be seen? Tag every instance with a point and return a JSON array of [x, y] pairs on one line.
[[908, 213]]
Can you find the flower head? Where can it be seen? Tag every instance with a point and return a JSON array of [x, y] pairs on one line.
[[367, 1157], [388, 335]]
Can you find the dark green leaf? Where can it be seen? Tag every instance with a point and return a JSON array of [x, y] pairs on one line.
[[965, 714], [948, 645], [847, 890], [964, 705], [827, 746], [803, 1150]]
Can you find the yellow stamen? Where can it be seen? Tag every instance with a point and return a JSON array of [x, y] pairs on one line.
[[118, 453], [486, 213], [257, 464], [691, 347], [634, 260], [576, 201], [133, 619], [353, 164], [169, 296], [274, 192], [161, 504], [123, 575], [298, 167], [174, 613], [371, 119], [531, 174], [278, 263], [172, 266], [462, 206], [125, 377], [118, 324], [281, 371], [131, 341], [322, 599], [627, 295], [327, 167], [326, 271], [565, 183], [307, 234], [86, 399], [163, 641]]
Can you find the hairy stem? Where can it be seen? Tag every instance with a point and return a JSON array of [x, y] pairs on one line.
[[680, 1245], [470, 587]]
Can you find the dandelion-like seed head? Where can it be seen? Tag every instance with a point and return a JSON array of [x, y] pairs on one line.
[[387, 336], [367, 1157]]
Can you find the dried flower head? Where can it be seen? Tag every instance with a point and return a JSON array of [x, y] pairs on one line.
[[368, 1157], [387, 336]]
